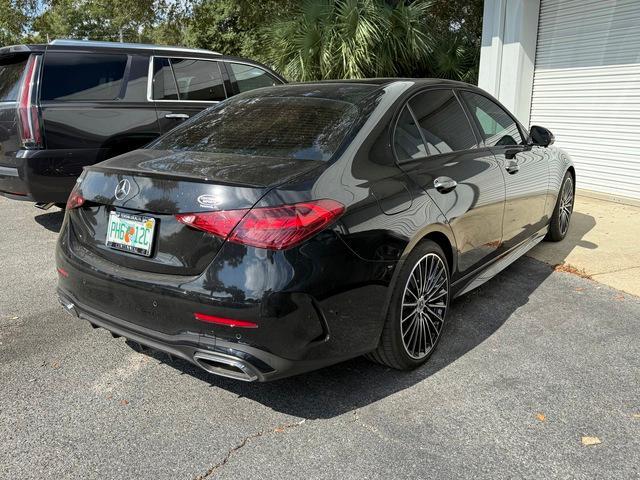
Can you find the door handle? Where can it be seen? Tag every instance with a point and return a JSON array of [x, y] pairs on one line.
[[179, 116], [512, 167], [444, 184]]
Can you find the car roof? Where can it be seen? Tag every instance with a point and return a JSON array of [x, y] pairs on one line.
[[385, 81], [125, 45]]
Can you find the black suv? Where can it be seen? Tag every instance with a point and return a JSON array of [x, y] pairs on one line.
[[72, 103]]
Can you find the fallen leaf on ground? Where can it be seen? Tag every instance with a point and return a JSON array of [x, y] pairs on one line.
[[619, 297], [590, 441], [55, 365], [124, 402], [541, 417], [579, 289], [566, 268]]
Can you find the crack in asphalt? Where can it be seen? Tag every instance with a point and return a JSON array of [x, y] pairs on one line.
[[279, 429]]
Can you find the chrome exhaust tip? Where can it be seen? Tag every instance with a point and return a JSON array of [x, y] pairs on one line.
[[69, 307], [226, 366]]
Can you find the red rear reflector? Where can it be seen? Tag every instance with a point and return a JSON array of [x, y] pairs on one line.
[[28, 113], [62, 272], [75, 200], [224, 321], [274, 228]]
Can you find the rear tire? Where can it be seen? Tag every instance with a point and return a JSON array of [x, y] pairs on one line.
[[417, 311], [561, 218]]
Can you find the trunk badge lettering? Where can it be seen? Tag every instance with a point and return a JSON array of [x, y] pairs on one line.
[[208, 201], [122, 189]]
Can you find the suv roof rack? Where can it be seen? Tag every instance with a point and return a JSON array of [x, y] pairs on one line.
[[139, 46]]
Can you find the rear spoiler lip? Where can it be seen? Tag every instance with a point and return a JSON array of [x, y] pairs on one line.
[[169, 176], [25, 49]]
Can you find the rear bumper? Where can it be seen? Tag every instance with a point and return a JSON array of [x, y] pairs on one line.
[[209, 353], [43, 175], [296, 333]]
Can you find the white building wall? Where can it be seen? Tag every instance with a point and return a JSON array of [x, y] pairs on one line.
[[507, 56]]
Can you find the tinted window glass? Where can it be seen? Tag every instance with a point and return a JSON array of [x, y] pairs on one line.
[[164, 84], [79, 77], [442, 121], [198, 79], [292, 127], [10, 75], [249, 78], [407, 141], [496, 126]]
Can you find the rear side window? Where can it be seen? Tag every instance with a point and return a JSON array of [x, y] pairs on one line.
[[497, 127], [407, 141], [188, 79], [82, 77], [290, 127], [10, 75], [443, 123], [249, 78]]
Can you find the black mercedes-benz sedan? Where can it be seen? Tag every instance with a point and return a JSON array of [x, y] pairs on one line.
[[293, 227]]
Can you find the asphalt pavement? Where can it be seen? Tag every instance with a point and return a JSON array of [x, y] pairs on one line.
[[530, 365]]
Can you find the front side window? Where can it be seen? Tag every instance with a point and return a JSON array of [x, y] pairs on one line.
[[289, 127], [407, 141], [82, 77], [250, 78], [187, 79], [442, 121], [497, 127]]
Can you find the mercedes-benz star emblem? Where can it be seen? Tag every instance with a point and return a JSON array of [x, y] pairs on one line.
[[122, 189]]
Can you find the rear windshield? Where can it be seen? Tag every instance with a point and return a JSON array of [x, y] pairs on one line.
[[291, 127], [10, 74]]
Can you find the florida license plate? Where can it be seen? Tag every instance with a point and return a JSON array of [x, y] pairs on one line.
[[130, 233]]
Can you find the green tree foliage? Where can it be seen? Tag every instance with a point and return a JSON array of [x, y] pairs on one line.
[[303, 39], [367, 38], [97, 19], [235, 27], [350, 39], [14, 18]]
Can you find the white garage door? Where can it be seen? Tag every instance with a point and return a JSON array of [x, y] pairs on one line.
[[586, 89]]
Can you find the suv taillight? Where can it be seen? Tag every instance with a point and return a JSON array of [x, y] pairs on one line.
[[275, 228], [28, 111]]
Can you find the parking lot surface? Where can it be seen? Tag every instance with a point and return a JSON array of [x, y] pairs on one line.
[[529, 364]]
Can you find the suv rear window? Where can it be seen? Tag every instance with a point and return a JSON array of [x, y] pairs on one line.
[[82, 77], [10, 74], [292, 127]]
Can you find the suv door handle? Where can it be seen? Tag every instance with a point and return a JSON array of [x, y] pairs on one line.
[[444, 184], [512, 167], [179, 116]]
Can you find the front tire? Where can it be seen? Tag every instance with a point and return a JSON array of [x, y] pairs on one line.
[[417, 311], [561, 218]]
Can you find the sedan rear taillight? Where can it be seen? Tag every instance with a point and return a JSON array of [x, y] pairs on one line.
[[28, 112], [275, 228], [75, 199]]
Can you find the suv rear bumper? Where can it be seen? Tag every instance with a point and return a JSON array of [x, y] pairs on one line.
[[46, 176]]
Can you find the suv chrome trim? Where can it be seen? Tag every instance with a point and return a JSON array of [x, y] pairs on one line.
[[65, 42]]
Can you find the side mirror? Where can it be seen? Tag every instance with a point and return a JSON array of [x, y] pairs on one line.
[[541, 136]]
